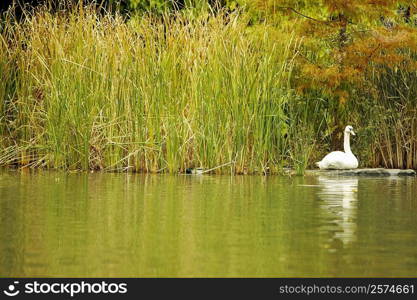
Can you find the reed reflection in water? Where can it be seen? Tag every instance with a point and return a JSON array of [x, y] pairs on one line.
[[129, 225]]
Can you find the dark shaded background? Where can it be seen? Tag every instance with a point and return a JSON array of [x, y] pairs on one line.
[[119, 4], [4, 4]]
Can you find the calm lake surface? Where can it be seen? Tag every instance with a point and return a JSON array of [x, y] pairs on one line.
[[123, 225]]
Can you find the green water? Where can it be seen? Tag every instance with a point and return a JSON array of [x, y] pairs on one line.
[[121, 225]]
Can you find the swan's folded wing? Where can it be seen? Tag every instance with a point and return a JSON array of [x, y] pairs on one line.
[[333, 165], [333, 160]]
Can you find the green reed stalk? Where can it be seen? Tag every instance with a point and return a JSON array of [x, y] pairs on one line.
[[84, 91], [151, 94]]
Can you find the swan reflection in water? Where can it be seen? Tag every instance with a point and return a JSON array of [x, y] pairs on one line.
[[339, 202]]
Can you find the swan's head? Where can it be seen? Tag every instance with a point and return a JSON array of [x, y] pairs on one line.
[[349, 130]]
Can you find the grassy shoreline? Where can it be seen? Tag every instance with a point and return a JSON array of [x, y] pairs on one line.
[[83, 91]]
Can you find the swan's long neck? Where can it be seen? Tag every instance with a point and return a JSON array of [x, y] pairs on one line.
[[346, 143]]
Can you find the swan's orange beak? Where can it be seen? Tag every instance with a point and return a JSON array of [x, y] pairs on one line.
[[352, 133]]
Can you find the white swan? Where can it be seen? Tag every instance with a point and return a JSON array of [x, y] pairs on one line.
[[338, 159]]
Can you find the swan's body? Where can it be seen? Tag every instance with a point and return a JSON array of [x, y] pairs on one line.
[[338, 159]]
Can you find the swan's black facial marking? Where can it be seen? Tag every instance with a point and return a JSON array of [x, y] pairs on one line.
[[349, 128]]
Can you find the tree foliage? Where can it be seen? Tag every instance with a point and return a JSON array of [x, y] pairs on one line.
[[345, 39]]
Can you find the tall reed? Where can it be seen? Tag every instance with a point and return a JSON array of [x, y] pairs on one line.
[[83, 91]]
